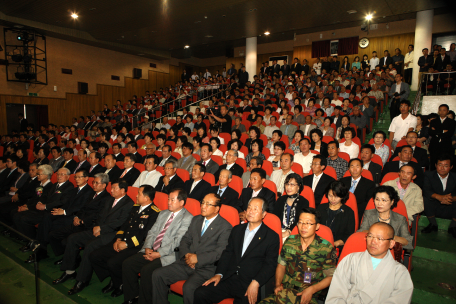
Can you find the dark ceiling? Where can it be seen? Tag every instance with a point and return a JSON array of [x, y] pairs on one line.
[[169, 25]]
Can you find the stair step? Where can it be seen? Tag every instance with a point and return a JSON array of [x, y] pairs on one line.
[[434, 255], [443, 223], [426, 276]]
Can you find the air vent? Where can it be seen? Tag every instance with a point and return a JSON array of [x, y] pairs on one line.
[[114, 77], [153, 65], [67, 71]]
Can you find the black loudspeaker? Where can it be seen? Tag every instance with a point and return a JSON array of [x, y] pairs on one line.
[[137, 73], [83, 87]]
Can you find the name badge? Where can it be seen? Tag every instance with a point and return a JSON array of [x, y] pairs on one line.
[[308, 276]]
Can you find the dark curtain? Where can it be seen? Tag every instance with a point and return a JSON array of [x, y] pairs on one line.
[[42, 115], [321, 48], [348, 46]]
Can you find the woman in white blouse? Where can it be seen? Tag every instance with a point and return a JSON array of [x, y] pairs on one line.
[[215, 144], [317, 66], [114, 134], [279, 148], [349, 146]]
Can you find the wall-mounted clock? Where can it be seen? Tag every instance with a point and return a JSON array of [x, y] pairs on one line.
[[363, 42]]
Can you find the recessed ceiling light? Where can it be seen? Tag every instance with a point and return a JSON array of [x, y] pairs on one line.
[[352, 12], [74, 15], [267, 33], [208, 36], [186, 47]]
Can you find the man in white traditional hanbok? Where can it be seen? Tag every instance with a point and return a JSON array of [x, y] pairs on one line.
[[372, 276]]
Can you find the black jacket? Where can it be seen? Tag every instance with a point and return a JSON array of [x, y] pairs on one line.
[[363, 193], [114, 173], [393, 166], [138, 158], [230, 197], [441, 142], [131, 176], [265, 194], [85, 166], [243, 77], [77, 199], [90, 209], [134, 230], [343, 224], [120, 157], [59, 196], [418, 153], [259, 260], [320, 190], [71, 165], [296, 68], [235, 170], [28, 189], [280, 206], [376, 171], [98, 169], [323, 148], [176, 182], [39, 196], [285, 69], [440, 64], [389, 60], [200, 190], [9, 181]]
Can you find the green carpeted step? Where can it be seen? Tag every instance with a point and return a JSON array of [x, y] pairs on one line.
[[443, 223], [426, 276]]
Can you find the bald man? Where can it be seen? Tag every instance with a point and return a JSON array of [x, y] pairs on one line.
[[372, 276]]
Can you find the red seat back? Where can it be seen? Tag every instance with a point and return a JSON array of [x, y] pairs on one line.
[[273, 222], [324, 232], [230, 214], [132, 193], [183, 174], [161, 200], [193, 206], [365, 173], [209, 177], [389, 176]]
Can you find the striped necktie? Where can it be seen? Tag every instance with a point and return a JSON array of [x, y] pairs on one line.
[[160, 236]]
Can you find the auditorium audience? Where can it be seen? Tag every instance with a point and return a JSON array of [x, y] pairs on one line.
[[318, 180]]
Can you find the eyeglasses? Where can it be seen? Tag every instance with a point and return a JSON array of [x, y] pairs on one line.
[[371, 237], [290, 184], [207, 204], [307, 224]]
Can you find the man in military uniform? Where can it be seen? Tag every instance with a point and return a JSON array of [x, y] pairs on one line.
[[107, 260], [305, 265]]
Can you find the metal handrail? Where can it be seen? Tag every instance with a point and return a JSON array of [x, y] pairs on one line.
[[417, 101]]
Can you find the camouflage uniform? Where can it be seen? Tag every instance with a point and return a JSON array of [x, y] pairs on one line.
[[320, 257]]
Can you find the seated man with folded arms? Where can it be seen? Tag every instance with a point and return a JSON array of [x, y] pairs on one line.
[[157, 251], [244, 267], [306, 263], [409, 192], [372, 276]]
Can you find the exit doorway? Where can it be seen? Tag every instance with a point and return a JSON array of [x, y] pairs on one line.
[[36, 115]]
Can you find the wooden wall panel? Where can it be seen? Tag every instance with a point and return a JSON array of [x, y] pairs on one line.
[[160, 80], [152, 80], [378, 44]]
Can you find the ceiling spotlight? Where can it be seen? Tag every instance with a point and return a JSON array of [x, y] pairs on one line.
[[267, 33], [369, 17], [186, 47], [74, 15]]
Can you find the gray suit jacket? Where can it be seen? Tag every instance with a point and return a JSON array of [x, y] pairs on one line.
[[291, 131], [211, 167], [303, 129], [209, 246], [172, 237], [188, 165], [56, 164], [404, 87]]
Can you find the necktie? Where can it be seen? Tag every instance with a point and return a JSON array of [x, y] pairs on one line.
[[219, 192], [160, 236], [115, 203], [64, 164], [96, 194], [206, 223], [123, 174], [352, 188], [78, 167], [91, 168], [204, 163]]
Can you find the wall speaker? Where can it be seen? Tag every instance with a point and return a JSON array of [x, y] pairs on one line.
[[137, 73], [83, 87]]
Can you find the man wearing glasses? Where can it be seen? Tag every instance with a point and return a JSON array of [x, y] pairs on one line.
[[306, 263], [199, 250], [372, 276]]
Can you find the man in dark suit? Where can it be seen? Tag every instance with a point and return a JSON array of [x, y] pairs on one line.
[[68, 161], [266, 69], [441, 130], [334, 65], [243, 77], [367, 152], [83, 216], [275, 67], [4, 171], [20, 190], [132, 148], [231, 165], [114, 214], [62, 217], [405, 157], [112, 169], [166, 155], [360, 186], [116, 151], [126, 243], [244, 266], [442, 60], [256, 189], [185, 77], [418, 153], [197, 187], [130, 173], [386, 60], [285, 69], [210, 165], [12, 176], [95, 167], [170, 180], [83, 163], [228, 195], [439, 194], [58, 195], [296, 67], [425, 61], [318, 181], [305, 67], [199, 250]]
